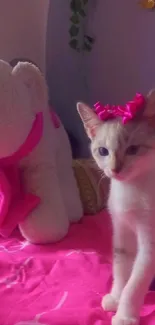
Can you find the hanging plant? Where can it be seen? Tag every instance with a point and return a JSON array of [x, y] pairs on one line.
[[78, 9]]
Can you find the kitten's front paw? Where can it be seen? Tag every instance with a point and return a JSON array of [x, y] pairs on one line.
[[109, 303], [119, 320]]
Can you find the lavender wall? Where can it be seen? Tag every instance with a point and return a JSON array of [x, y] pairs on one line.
[[121, 63], [23, 30], [123, 59], [64, 73]]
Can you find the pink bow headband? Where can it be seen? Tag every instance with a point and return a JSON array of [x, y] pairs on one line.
[[127, 112]]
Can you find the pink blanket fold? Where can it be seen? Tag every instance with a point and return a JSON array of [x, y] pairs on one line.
[[61, 284]]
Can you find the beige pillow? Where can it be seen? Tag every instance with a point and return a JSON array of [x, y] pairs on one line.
[[92, 185]]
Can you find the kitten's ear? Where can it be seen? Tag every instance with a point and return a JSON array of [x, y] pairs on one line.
[[150, 106], [90, 120]]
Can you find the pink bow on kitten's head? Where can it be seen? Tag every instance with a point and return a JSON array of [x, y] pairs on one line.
[[140, 107], [127, 112]]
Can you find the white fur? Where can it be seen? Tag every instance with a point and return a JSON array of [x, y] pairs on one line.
[[132, 207], [47, 171]]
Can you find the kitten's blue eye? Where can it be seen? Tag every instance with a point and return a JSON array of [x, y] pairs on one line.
[[132, 150], [103, 151]]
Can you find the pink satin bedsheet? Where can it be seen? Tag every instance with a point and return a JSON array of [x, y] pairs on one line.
[[60, 284]]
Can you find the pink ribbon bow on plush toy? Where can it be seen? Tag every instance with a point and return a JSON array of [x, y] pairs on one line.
[[127, 112], [15, 203]]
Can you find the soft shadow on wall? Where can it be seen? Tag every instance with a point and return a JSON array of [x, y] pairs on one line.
[[65, 75], [122, 61], [120, 64], [23, 30]]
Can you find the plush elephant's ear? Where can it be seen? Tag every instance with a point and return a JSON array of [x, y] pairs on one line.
[[31, 77]]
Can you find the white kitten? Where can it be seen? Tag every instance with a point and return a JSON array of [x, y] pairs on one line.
[[126, 154]]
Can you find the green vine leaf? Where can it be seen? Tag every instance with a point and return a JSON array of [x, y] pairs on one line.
[[82, 13], [75, 5], [74, 30], [74, 44], [75, 19], [89, 39], [85, 2], [87, 47], [78, 9]]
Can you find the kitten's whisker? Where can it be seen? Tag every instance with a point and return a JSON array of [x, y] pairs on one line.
[[103, 176], [101, 179]]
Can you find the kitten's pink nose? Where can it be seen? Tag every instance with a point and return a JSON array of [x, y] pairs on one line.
[[117, 169]]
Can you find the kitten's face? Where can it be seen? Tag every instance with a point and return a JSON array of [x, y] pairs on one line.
[[124, 151]]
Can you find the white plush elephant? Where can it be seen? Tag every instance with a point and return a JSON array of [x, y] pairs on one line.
[[45, 166]]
